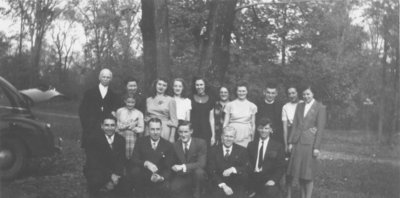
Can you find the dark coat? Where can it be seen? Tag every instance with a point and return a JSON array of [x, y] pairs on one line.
[[273, 166], [238, 158], [93, 109], [274, 113], [102, 161], [162, 157], [196, 157]]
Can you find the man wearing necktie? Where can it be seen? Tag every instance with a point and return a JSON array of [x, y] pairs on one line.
[[267, 159], [105, 160], [149, 169], [228, 166], [191, 157]]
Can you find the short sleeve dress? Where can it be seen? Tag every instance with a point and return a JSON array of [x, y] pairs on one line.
[[127, 121], [200, 119], [164, 108], [241, 113]]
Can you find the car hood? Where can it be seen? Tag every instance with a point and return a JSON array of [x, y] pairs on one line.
[[36, 95]]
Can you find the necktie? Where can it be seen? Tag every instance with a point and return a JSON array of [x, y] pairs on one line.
[[226, 154], [153, 145], [261, 155], [186, 150]]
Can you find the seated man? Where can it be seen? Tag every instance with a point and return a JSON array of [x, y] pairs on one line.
[[105, 159], [267, 159], [191, 154], [151, 160], [228, 166]]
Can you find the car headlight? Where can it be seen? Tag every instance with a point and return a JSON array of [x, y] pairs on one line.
[[48, 125]]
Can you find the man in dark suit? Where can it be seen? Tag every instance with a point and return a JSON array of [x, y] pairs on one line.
[[97, 103], [272, 109], [105, 159], [267, 159], [151, 163], [191, 157], [228, 166]]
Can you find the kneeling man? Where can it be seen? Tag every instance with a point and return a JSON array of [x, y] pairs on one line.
[[105, 159], [191, 157], [228, 166], [151, 160], [267, 158]]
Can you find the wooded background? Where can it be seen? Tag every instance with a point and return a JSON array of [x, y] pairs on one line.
[[288, 42]]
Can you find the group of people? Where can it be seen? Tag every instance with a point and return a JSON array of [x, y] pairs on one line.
[[172, 145]]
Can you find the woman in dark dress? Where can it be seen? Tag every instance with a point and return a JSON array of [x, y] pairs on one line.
[[202, 103], [217, 115]]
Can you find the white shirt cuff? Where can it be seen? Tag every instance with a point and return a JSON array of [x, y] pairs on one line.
[[221, 185], [234, 170]]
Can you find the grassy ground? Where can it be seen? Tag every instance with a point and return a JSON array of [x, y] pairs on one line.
[[352, 165]]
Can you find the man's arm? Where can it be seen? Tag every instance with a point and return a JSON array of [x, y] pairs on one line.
[[201, 157]]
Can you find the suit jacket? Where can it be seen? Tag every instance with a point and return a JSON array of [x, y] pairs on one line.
[[315, 117], [273, 165], [238, 158], [162, 157], [196, 157], [101, 159], [274, 113], [94, 108]]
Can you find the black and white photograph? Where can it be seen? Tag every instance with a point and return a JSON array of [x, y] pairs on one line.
[[199, 99]]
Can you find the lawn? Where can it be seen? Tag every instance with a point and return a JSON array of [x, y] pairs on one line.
[[352, 165]]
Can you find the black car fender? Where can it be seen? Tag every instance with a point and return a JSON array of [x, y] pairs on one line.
[[35, 135]]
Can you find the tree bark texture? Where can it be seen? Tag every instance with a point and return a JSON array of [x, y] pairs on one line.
[[214, 58], [155, 34]]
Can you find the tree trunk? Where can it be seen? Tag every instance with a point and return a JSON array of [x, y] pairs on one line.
[[382, 102], [214, 57], [155, 34], [283, 35], [162, 38]]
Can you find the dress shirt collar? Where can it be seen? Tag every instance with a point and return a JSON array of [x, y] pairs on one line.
[[103, 90], [154, 142], [187, 144], [227, 149], [110, 139], [265, 141]]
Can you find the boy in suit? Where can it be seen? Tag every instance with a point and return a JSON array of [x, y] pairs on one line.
[[228, 166], [267, 159], [152, 160], [191, 157], [105, 159]]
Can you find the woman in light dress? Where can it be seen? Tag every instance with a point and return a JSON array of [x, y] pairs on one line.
[[183, 104], [160, 105], [240, 114]]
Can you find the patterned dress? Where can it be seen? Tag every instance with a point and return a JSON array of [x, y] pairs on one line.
[[219, 116], [130, 122]]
